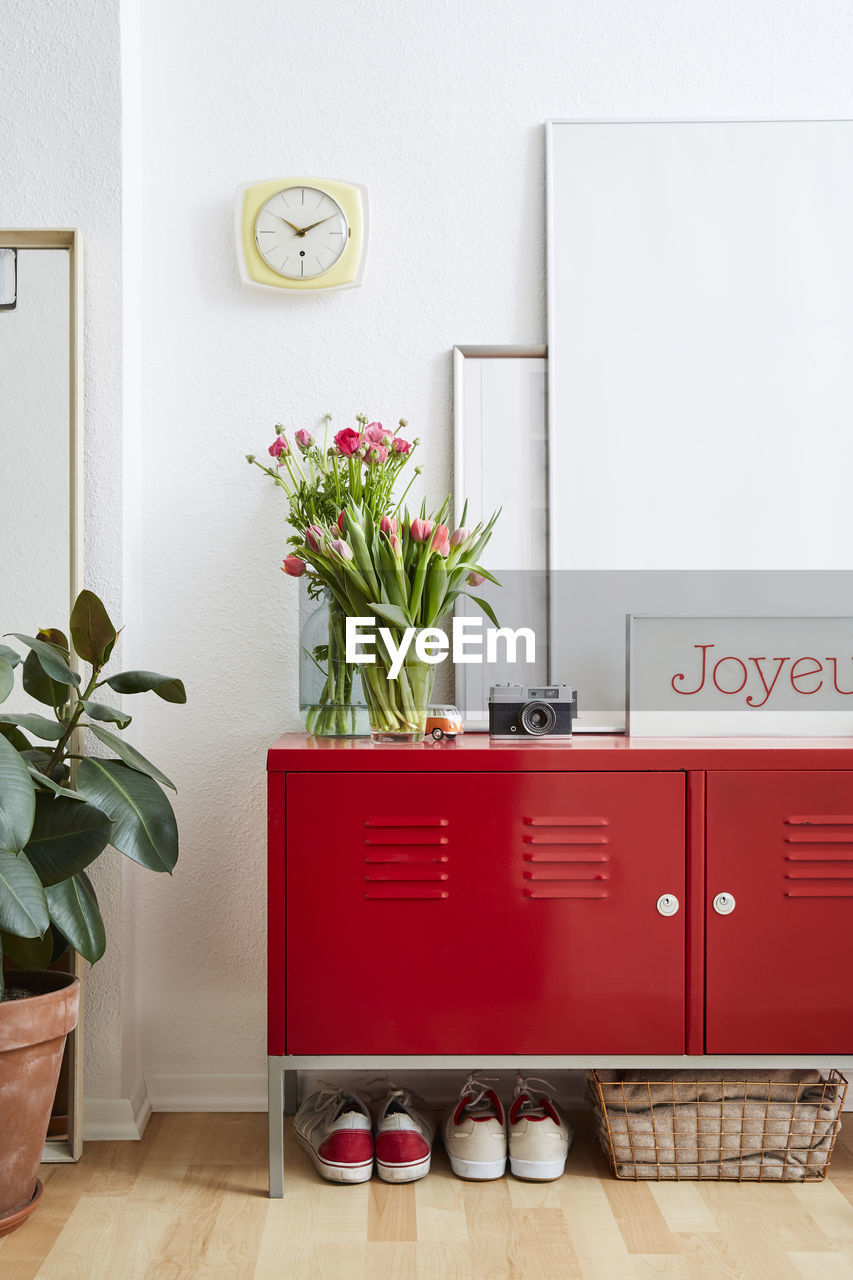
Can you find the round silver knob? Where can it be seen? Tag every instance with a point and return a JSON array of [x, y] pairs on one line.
[[724, 904], [667, 904]]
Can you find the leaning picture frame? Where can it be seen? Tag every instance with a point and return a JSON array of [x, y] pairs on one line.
[[500, 462]]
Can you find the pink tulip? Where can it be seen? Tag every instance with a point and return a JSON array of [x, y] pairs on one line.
[[303, 438], [294, 567], [459, 536], [439, 537], [342, 549], [474, 579], [375, 454], [314, 537], [400, 446], [348, 441], [279, 445], [375, 433], [395, 543], [420, 529], [341, 522]]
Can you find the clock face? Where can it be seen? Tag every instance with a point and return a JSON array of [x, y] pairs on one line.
[[301, 232]]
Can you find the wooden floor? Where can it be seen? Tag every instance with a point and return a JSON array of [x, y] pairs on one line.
[[189, 1202]]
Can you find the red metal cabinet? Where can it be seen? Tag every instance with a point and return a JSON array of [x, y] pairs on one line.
[[778, 966], [484, 913]]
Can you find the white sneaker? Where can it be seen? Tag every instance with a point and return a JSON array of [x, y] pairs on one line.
[[333, 1126], [403, 1132], [539, 1134], [474, 1133]]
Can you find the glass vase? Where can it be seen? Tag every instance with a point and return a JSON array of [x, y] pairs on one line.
[[398, 705], [331, 699]]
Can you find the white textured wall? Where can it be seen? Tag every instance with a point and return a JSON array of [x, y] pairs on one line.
[[60, 166], [438, 108]]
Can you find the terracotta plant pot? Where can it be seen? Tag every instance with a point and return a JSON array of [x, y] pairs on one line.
[[32, 1039]]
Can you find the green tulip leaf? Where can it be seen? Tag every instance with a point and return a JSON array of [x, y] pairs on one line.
[[29, 953], [92, 633], [67, 835], [130, 755], [17, 800], [485, 606], [169, 688], [39, 726], [52, 662], [23, 906], [99, 711], [391, 613], [144, 826], [74, 912], [7, 678]]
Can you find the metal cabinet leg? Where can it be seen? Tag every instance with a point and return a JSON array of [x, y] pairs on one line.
[[290, 1098], [275, 1096]]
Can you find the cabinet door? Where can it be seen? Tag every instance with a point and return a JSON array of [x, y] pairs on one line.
[[484, 913], [779, 965]]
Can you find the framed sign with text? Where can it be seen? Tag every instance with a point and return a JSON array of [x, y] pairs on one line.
[[757, 676]]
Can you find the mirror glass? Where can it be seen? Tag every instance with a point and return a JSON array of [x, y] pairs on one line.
[[700, 338], [35, 427]]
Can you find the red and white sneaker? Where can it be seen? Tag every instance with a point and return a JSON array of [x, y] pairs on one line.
[[539, 1133], [403, 1130], [333, 1126], [474, 1132]]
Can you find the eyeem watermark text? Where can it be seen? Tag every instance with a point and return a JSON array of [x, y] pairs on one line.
[[468, 642]]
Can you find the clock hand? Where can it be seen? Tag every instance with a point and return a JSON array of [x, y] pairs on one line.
[[316, 224], [299, 230]]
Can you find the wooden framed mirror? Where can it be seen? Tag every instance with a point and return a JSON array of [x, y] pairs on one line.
[[41, 498]]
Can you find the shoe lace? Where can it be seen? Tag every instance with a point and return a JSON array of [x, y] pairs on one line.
[[396, 1098], [335, 1098], [477, 1089], [526, 1085]]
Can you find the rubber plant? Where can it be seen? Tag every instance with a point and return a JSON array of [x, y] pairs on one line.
[[60, 807]]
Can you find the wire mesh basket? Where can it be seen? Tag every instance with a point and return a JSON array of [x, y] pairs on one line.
[[770, 1126]]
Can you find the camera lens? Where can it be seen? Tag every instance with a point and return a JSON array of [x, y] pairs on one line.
[[538, 718]]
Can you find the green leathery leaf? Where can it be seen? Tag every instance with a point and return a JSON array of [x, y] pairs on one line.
[[169, 688], [144, 826], [13, 735], [23, 907], [67, 835], [38, 684], [52, 662], [7, 678], [41, 779], [75, 913], [29, 953], [39, 726], [92, 632], [9, 654], [100, 711], [129, 754], [17, 800]]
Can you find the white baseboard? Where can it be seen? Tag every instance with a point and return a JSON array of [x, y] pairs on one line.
[[116, 1119], [208, 1092]]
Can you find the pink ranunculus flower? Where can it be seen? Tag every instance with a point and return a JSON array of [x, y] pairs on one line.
[[442, 533], [348, 441], [459, 537], [294, 567], [303, 438], [279, 445], [342, 549], [388, 524], [375, 454], [375, 433], [420, 529], [400, 446], [314, 536], [474, 579]]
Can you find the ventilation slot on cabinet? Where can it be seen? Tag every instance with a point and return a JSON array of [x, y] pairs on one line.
[[821, 864], [565, 858], [400, 866]]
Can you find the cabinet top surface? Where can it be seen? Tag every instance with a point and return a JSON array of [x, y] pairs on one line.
[[477, 751]]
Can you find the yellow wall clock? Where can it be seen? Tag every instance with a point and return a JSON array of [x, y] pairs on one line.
[[302, 233]]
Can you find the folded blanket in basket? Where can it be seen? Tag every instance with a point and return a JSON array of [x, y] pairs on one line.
[[718, 1124]]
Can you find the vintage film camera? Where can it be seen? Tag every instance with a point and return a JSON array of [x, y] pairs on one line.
[[522, 711]]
